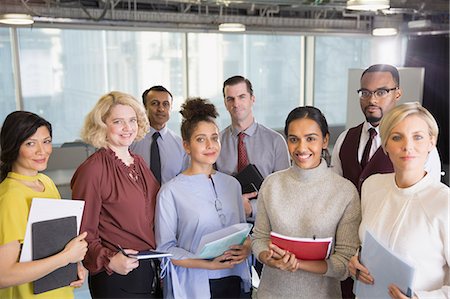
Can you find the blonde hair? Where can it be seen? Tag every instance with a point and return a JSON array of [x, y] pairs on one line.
[[399, 113], [94, 129]]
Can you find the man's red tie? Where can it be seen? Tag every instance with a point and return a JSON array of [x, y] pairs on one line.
[[242, 152]]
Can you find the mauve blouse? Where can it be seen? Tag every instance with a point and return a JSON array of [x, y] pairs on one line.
[[119, 206]]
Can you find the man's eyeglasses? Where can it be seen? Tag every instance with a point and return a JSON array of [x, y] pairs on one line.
[[218, 205], [379, 93]]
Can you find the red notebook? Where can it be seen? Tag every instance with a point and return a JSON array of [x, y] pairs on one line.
[[312, 249]]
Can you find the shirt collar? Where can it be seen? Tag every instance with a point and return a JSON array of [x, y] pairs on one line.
[[162, 132], [367, 126], [249, 131]]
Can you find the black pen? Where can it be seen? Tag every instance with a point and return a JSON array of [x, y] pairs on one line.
[[122, 250]]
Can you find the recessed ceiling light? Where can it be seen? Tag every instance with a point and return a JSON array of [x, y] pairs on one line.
[[419, 24], [231, 27], [16, 19], [372, 5], [389, 31]]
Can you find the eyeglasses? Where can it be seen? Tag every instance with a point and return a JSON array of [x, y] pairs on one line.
[[218, 205], [379, 93]]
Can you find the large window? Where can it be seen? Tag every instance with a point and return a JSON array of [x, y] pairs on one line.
[[7, 97], [270, 62], [63, 72], [333, 57]]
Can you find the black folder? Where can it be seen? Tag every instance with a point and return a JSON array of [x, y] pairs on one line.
[[48, 238], [250, 179]]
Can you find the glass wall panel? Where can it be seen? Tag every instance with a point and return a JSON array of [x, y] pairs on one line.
[[270, 62], [64, 72], [333, 57], [7, 95]]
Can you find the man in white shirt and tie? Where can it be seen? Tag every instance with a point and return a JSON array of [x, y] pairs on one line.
[[161, 148]]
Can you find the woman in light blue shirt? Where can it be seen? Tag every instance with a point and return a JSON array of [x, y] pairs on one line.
[[199, 201]]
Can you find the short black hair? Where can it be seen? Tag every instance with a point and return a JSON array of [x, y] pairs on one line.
[[384, 68], [154, 88], [236, 80]]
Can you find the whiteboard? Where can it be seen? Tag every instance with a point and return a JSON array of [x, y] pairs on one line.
[[411, 83]]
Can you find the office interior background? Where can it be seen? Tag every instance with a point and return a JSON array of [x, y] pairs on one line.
[[295, 52]]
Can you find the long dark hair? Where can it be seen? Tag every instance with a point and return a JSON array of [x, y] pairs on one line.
[[17, 127], [314, 114]]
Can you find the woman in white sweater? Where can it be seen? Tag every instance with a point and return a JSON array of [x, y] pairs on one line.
[[308, 199], [406, 210]]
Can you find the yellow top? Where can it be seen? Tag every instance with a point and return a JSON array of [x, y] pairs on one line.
[[15, 202]]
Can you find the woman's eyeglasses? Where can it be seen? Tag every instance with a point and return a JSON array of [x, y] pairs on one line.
[[218, 205]]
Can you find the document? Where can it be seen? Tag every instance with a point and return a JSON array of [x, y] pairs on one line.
[[50, 237], [150, 254], [250, 179], [215, 244], [312, 249], [47, 209], [385, 267]]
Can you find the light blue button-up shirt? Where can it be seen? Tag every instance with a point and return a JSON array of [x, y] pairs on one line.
[[185, 211]]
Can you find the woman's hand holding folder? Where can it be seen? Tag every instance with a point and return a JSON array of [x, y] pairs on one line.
[[358, 271], [239, 253]]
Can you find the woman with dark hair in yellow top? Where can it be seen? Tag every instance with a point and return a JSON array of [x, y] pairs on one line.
[[26, 144]]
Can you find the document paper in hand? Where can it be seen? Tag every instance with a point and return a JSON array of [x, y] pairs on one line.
[[385, 267]]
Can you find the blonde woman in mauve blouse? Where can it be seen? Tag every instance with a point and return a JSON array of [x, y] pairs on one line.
[[119, 191]]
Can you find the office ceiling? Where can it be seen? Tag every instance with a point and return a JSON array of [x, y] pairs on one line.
[[304, 16]]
